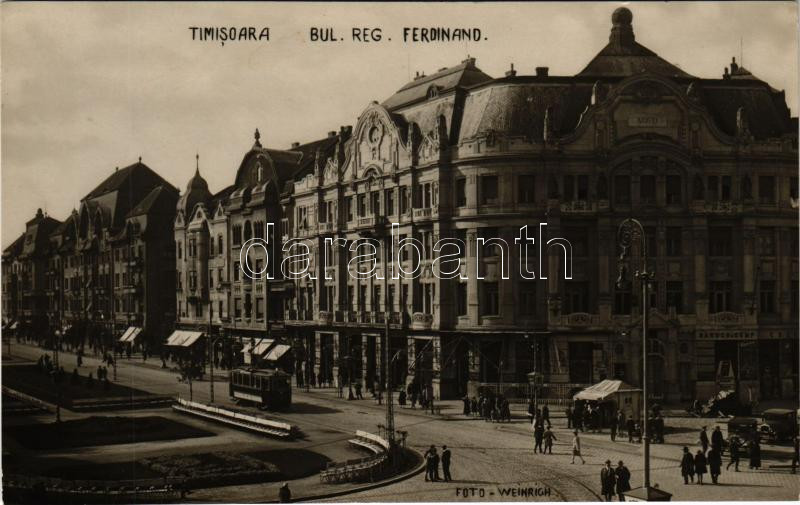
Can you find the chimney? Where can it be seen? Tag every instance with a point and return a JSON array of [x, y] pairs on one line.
[[331, 134], [734, 66], [542, 71], [470, 61], [511, 72], [726, 75], [295, 145]]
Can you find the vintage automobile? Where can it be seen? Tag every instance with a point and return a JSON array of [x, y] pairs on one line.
[[746, 428], [779, 424]]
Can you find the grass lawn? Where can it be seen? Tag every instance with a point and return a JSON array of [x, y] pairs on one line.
[[98, 430], [214, 469], [293, 463], [30, 380]]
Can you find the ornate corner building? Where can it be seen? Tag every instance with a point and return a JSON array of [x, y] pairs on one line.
[[107, 268], [708, 165]]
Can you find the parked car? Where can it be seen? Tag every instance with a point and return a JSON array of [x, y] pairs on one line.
[[746, 428], [779, 424]]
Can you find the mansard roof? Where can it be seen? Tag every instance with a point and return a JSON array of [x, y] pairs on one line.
[[136, 174], [157, 201], [463, 75], [15, 248], [516, 105]]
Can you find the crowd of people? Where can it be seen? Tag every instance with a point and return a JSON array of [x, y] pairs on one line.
[[489, 408]]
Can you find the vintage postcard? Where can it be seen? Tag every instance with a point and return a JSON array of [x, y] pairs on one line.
[[400, 252]]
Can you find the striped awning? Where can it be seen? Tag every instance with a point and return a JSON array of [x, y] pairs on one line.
[[277, 352], [260, 348], [183, 338], [130, 334]]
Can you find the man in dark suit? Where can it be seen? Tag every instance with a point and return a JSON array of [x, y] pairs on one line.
[[608, 480], [446, 464]]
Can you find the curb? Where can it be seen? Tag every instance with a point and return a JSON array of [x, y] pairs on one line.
[[373, 485]]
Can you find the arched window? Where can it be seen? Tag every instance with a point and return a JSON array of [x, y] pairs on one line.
[[259, 172]]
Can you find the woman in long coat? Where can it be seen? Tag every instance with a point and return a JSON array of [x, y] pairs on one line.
[[755, 454], [700, 466], [687, 466]]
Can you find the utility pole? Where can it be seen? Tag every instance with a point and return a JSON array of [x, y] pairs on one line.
[[388, 371], [210, 351], [628, 231]]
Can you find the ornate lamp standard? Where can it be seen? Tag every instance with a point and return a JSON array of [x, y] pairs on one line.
[[629, 231]]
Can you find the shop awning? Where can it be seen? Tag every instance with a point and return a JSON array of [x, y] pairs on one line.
[[130, 334], [604, 389], [276, 352], [260, 348], [183, 338]]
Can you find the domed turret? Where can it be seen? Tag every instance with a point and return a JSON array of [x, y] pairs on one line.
[[196, 191]]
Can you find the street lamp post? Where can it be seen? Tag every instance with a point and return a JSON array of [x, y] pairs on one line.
[[631, 230]]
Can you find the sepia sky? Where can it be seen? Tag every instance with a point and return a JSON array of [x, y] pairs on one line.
[[87, 87]]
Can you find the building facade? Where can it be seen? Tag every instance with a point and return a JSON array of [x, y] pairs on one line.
[[107, 268], [708, 165]]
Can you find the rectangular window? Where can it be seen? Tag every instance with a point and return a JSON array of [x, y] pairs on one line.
[[527, 297], [259, 308], [675, 296], [766, 296], [489, 249], [362, 298], [719, 241], [583, 187], [576, 297], [237, 307], [713, 188], [674, 240], [653, 291], [623, 299], [350, 204], [403, 200], [362, 205], [237, 234], [376, 299], [526, 186], [389, 199], [720, 297], [766, 241], [219, 309], [236, 271], [725, 188], [210, 279], [199, 309], [490, 299], [651, 240], [461, 299], [461, 192], [622, 189], [569, 188], [489, 190], [220, 279], [647, 189], [391, 296], [375, 203], [766, 189], [426, 196], [674, 191]]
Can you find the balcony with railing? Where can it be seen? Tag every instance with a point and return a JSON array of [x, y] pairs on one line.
[[425, 213], [370, 221]]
